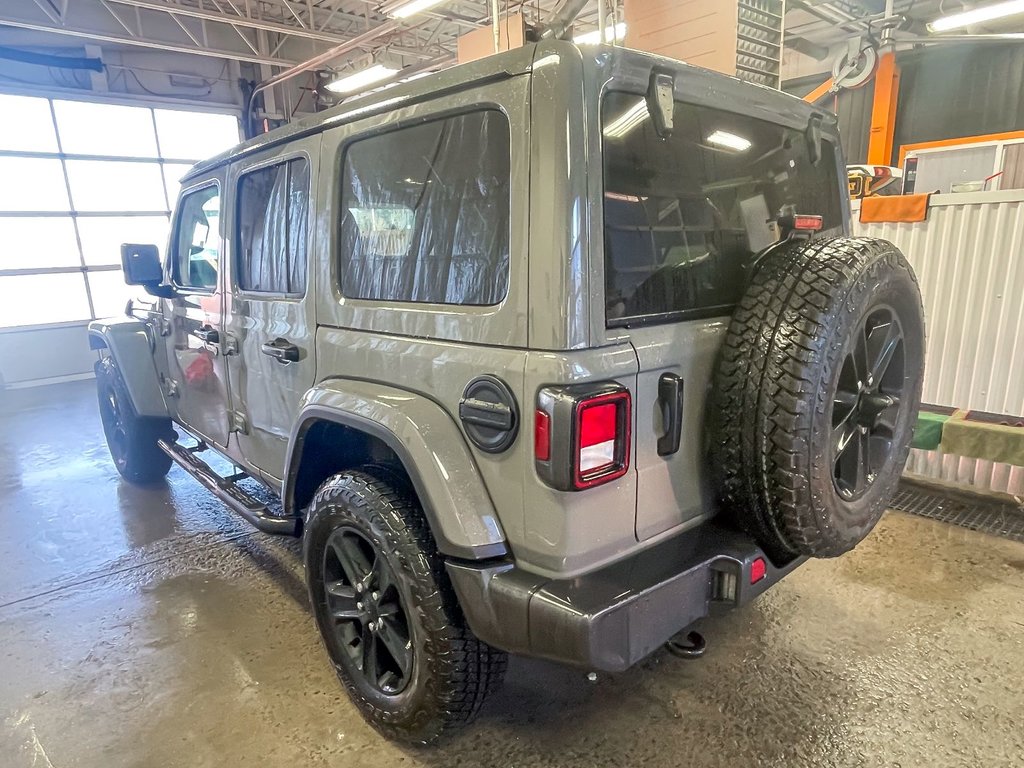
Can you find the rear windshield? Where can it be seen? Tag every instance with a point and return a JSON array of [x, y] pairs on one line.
[[684, 216]]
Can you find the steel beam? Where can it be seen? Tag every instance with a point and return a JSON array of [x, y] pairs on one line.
[[143, 42], [225, 18]]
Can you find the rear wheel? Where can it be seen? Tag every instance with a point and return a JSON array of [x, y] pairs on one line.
[[132, 439], [387, 614], [817, 394]]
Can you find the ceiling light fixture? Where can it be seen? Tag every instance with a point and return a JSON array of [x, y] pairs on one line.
[[361, 79], [406, 8], [729, 141], [617, 32], [977, 16]]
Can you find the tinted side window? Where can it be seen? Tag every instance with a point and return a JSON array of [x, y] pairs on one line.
[[273, 224], [425, 213], [686, 215], [197, 239]]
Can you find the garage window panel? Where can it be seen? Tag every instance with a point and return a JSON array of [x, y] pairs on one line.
[[194, 135], [173, 173], [83, 177], [27, 125], [100, 185], [105, 129], [37, 242], [102, 236], [109, 292], [32, 184], [40, 299]]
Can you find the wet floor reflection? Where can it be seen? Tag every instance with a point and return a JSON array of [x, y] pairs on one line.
[[148, 627]]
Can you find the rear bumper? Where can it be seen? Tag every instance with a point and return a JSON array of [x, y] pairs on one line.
[[610, 619]]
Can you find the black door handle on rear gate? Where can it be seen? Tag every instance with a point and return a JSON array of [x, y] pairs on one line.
[[206, 334], [281, 350], [670, 398]]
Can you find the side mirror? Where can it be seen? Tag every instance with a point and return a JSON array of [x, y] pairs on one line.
[[141, 266]]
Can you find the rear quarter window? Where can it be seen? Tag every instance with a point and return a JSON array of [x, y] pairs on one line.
[[425, 212], [685, 215]]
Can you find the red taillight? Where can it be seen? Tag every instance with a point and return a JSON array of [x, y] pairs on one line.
[[597, 436], [601, 444], [807, 223], [542, 436], [758, 568]]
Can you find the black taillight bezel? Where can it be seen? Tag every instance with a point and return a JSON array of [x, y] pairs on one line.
[[562, 405]]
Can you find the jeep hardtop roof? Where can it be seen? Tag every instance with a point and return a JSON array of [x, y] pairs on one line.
[[728, 92]]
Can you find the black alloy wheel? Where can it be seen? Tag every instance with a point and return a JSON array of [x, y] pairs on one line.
[[386, 609], [866, 404], [370, 619], [115, 427], [133, 440]]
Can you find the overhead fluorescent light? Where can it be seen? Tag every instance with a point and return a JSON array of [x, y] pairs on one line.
[[627, 121], [729, 141], [616, 32], [977, 16], [403, 10], [361, 79]]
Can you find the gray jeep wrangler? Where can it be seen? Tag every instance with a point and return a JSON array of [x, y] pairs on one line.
[[553, 353]]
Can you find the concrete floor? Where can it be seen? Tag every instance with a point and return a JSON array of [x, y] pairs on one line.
[[151, 628]]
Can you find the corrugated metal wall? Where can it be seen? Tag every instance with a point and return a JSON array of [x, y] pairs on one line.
[[969, 258]]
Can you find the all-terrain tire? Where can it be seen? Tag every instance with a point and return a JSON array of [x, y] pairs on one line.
[[790, 395], [452, 670], [132, 439]]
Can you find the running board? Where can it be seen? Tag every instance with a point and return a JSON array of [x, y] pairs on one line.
[[227, 490]]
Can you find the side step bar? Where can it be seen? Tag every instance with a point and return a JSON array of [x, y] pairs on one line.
[[225, 489]]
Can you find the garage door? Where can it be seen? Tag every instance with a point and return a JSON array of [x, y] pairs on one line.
[[78, 179]]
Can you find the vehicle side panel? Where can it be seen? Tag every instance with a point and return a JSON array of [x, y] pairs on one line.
[[561, 277], [197, 366], [265, 392], [428, 442], [132, 347], [502, 324], [548, 531]]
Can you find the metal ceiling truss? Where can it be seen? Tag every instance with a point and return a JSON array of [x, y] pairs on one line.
[[278, 33]]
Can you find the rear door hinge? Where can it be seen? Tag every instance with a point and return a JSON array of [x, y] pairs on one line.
[[239, 423], [170, 387]]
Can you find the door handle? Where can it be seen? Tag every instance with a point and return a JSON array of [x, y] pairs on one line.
[[670, 397], [281, 350], [206, 334]]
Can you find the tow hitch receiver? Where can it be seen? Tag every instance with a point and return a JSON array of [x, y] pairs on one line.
[[690, 647]]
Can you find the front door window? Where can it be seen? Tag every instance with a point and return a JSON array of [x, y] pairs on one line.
[[197, 241]]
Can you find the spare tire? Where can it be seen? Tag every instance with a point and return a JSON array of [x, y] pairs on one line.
[[816, 394]]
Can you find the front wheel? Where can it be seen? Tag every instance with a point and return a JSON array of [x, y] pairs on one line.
[[387, 614], [132, 439]]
